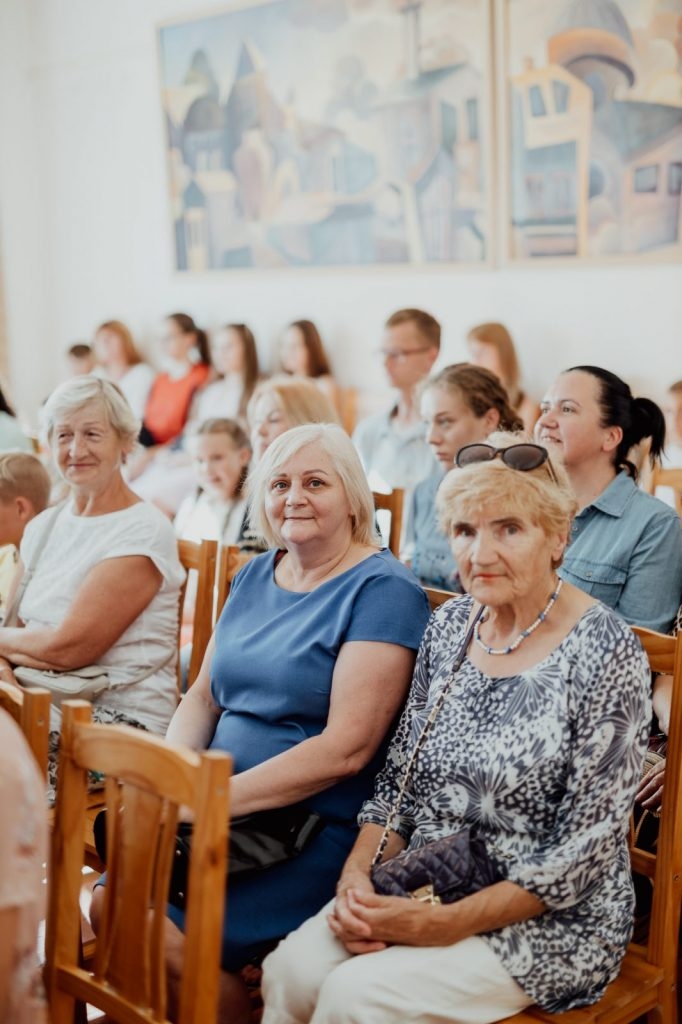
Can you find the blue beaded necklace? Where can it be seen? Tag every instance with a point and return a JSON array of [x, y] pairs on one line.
[[522, 636]]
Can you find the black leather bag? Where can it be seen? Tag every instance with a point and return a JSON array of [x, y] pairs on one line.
[[440, 872], [257, 842]]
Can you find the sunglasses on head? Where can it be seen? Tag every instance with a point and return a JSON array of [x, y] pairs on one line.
[[517, 456]]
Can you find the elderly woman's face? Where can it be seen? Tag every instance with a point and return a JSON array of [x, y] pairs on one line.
[[503, 558], [86, 448], [306, 502]]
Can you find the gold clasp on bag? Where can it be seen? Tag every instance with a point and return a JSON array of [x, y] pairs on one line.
[[425, 894]]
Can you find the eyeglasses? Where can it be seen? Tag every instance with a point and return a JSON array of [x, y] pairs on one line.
[[523, 457], [398, 354]]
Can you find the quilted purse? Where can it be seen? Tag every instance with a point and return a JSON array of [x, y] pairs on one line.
[[448, 869]]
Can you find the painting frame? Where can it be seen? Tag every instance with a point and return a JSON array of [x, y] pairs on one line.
[[599, 234], [486, 214]]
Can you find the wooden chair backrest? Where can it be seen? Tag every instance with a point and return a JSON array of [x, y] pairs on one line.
[[667, 478], [392, 503], [665, 866], [230, 561], [348, 408], [147, 782], [30, 708], [438, 597], [203, 559]]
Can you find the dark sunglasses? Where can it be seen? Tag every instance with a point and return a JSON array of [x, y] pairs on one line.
[[517, 456]]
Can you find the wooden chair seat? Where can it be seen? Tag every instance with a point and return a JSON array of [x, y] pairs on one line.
[[635, 991]]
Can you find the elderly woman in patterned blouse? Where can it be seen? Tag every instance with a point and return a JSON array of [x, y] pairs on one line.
[[537, 747]]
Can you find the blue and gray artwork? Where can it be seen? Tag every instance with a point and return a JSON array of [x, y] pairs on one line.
[[326, 133], [596, 127]]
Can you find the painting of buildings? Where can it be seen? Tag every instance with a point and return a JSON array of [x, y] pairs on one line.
[[595, 127], [329, 133]]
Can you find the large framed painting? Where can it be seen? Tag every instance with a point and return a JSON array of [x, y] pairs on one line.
[[330, 133], [591, 102]]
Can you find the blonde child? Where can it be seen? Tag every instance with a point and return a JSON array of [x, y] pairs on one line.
[[24, 492], [221, 453]]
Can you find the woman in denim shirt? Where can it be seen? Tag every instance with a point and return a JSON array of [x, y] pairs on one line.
[[626, 547]]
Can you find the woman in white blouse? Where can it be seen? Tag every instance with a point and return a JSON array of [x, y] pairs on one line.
[[103, 571]]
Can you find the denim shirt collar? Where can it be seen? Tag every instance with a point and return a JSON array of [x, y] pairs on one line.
[[615, 498]]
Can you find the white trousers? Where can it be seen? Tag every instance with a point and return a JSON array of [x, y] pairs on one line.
[[311, 979]]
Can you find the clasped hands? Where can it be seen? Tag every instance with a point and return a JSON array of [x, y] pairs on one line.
[[367, 923]]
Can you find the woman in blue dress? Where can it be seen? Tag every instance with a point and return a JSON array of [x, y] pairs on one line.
[[309, 665]]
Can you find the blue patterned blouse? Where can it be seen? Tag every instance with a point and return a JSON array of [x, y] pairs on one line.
[[545, 765]]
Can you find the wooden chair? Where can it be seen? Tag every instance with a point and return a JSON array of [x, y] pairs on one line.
[[648, 978], [203, 559], [438, 597], [230, 561], [667, 478], [30, 708], [348, 409], [392, 503], [147, 781]]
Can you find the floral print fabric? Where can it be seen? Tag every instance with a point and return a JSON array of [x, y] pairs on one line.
[[544, 764]]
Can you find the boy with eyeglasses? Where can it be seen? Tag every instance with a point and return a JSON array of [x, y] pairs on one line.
[[392, 444]]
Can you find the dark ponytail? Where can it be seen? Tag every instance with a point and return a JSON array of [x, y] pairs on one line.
[[638, 418], [187, 326]]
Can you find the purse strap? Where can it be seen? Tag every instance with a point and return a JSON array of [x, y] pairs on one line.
[[419, 745], [12, 616]]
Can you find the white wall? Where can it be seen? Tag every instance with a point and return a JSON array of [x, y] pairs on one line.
[[85, 231]]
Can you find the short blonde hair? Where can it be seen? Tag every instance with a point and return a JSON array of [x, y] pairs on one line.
[[23, 476], [531, 495], [336, 444], [300, 398], [80, 391]]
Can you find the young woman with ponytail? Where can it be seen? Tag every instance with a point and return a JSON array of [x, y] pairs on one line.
[[188, 367], [626, 547], [460, 405], [161, 473]]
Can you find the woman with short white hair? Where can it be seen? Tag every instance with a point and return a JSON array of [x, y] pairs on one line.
[[101, 572], [308, 666], [534, 744]]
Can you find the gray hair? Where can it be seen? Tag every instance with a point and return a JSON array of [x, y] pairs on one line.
[[74, 394], [335, 443], [532, 495]]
